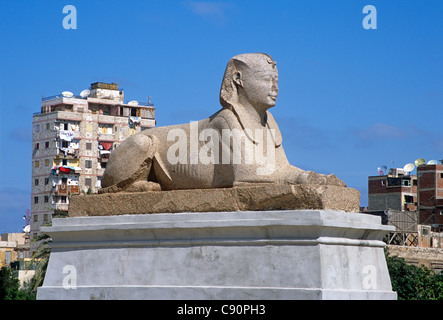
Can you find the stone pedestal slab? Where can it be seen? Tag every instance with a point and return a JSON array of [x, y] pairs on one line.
[[288, 254]]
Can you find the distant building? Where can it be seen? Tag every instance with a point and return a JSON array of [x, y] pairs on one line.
[[400, 192], [13, 247], [396, 190], [15, 253], [72, 139], [430, 195]]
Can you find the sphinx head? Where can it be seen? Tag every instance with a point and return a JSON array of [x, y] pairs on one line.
[[250, 78]]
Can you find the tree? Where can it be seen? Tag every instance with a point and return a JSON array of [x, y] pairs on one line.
[[10, 287], [41, 259], [412, 282], [9, 284]]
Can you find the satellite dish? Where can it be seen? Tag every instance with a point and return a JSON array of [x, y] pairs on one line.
[[85, 93], [432, 162], [133, 103], [420, 162], [382, 170], [408, 167], [67, 94]]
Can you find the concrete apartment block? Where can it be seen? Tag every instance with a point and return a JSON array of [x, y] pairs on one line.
[[72, 139]]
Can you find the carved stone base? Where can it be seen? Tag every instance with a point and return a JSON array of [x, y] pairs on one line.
[[288, 254], [245, 198]]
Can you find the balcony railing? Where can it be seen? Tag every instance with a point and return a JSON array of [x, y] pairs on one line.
[[59, 96]]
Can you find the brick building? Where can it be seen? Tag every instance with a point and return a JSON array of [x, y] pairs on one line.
[[430, 195], [396, 190], [399, 191]]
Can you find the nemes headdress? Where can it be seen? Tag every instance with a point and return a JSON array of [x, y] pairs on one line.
[[243, 63], [246, 63]]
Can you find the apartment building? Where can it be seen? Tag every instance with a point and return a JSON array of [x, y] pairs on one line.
[[396, 190], [430, 195], [402, 192], [72, 139]]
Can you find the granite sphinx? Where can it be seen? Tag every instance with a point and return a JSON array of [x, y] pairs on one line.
[[238, 145]]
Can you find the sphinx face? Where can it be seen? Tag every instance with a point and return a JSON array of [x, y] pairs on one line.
[[260, 88]]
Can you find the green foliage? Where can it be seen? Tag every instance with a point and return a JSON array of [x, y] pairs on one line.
[[41, 259], [10, 287], [412, 282], [9, 284]]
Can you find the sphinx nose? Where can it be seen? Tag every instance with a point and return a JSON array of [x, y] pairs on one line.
[[274, 87]]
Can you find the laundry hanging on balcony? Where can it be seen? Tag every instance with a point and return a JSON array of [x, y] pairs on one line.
[[106, 145], [64, 169], [133, 121], [66, 135]]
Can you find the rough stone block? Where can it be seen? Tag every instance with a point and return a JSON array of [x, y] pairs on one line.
[[245, 198]]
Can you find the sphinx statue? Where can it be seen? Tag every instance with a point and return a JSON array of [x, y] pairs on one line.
[[240, 144]]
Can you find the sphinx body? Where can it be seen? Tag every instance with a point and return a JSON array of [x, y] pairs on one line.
[[239, 144]]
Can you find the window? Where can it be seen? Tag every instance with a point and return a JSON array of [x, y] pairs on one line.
[[65, 144], [63, 199], [46, 162], [36, 163], [46, 181], [103, 165], [88, 182], [47, 126], [35, 217], [88, 146], [64, 162], [36, 182], [441, 175], [45, 217], [35, 199], [414, 182], [46, 199], [37, 146], [409, 199], [88, 164], [8, 255], [47, 144], [406, 183], [37, 128]]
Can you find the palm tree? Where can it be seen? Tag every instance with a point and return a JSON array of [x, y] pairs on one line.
[[40, 258]]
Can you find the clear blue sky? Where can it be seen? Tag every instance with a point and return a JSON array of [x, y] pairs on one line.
[[350, 99]]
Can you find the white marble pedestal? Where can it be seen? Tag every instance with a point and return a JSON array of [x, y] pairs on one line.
[[293, 254]]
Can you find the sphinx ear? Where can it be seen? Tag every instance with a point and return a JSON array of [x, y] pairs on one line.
[[236, 77]]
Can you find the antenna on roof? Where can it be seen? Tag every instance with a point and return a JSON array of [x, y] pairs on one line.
[[67, 94], [408, 168], [85, 93], [382, 170], [420, 162]]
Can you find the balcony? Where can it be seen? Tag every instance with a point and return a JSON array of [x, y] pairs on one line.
[[68, 135], [62, 206], [66, 190], [56, 170], [67, 153]]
